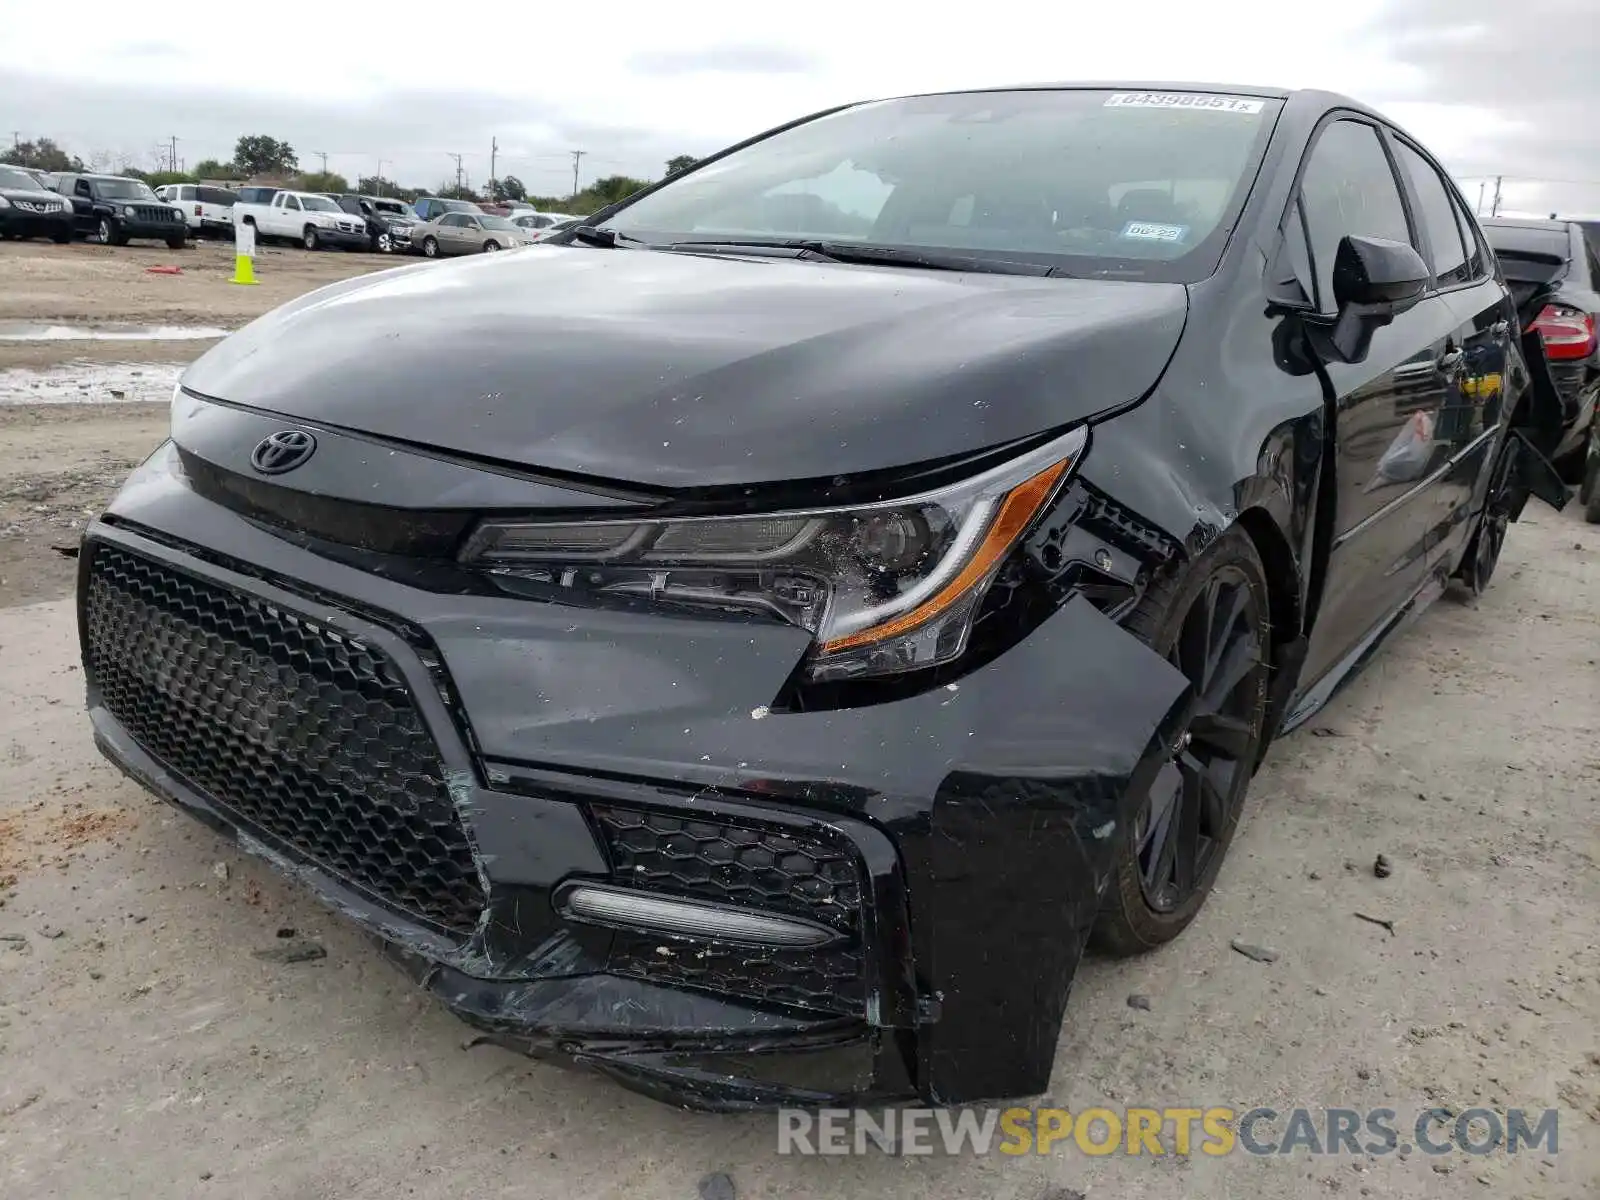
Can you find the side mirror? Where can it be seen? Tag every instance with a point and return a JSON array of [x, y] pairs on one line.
[[1374, 281]]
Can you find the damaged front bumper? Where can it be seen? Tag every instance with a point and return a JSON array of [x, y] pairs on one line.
[[441, 767]]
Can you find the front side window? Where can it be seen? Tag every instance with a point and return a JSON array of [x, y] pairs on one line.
[[1132, 185], [1436, 212], [1347, 189], [292, 202], [320, 204]]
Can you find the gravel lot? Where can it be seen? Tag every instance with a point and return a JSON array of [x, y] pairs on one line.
[[146, 1051]]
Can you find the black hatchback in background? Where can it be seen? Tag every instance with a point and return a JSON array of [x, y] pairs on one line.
[[1553, 272], [29, 210], [751, 643]]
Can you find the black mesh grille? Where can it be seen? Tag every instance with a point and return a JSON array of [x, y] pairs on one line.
[[290, 727], [730, 862]]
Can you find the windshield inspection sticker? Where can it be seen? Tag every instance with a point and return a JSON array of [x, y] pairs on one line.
[[1196, 100], [1150, 231]]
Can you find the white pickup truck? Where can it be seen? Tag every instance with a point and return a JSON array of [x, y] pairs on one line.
[[312, 220]]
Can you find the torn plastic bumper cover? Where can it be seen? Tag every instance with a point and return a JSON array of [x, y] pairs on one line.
[[947, 850]]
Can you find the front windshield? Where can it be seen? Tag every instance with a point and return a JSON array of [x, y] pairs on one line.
[[10, 177], [318, 204], [496, 223], [1133, 184], [123, 189]]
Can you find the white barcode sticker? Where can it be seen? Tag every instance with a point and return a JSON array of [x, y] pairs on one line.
[[1201, 101], [1153, 231]]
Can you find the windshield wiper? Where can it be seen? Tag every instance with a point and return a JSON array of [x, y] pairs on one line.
[[854, 252], [591, 235]]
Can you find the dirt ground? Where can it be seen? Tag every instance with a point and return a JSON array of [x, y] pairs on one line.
[[145, 1051]]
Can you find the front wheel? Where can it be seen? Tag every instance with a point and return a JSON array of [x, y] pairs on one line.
[[309, 238], [61, 237], [383, 244], [1210, 622], [1488, 540], [177, 243], [430, 247], [490, 247], [110, 235], [1590, 495]]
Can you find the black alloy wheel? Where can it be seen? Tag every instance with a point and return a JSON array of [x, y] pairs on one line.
[[1211, 624], [1489, 539]]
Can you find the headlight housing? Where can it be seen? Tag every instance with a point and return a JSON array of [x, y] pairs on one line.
[[884, 588]]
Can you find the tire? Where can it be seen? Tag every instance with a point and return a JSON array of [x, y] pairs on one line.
[[309, 238], [383, 244], [490, 246], [61, 239], [430, 247], [177, 243], [1482, 554], [1591, 491], [110, 235], [1152, 898]]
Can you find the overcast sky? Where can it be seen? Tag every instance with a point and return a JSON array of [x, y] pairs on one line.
[[1493, 86]]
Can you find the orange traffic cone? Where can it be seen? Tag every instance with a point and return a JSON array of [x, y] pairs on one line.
[[244, 270]]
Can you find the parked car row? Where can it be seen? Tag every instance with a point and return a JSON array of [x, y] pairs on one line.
[[114, 210]]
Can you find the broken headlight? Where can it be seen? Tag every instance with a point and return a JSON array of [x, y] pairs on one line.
[[884, 588]]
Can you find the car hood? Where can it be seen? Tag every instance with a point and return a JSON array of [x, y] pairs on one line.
[[34, 194], [679, 370]]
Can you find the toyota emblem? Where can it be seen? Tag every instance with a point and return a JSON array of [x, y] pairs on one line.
[[282, 451]]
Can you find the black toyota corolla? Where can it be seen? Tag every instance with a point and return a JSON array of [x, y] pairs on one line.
[[751, 644]]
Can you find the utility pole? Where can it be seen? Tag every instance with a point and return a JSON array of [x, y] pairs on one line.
[[1478, 212], [16, 139], [380, 177], [323, 155], [172, 152], [494, 150], [577, 157], [457, 157], [1494, 210]]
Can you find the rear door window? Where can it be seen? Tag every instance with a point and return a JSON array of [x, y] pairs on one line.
[[1348, 188], [1436, 213]]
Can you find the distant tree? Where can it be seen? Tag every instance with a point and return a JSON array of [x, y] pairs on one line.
[[459, 193], [547, 203], [210, 168], [161, 178], [377, 185], [615, 187], [510, 188], [258, 154], [680, 162], [42, 155], [323, 181]]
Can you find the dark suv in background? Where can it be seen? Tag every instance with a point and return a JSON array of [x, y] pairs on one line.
[[1553, 271], [389, 220], [28, 210], [114, 210]]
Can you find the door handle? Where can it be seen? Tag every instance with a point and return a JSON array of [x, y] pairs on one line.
[[1450, 360]]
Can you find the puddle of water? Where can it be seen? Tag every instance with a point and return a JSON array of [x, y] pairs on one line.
[[90, 383], [23, 331]]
